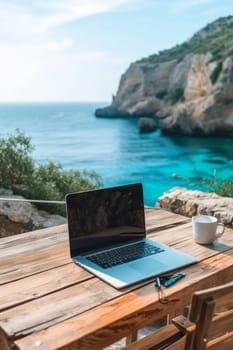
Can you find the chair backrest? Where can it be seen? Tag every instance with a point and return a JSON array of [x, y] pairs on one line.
[[211, 313], [208, 326]]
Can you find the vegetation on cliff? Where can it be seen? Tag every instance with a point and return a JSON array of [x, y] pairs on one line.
[[216, 72], [216, 38], [20, 173], [222, 187]]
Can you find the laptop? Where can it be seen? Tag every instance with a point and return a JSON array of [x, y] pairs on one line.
[[107, 236]]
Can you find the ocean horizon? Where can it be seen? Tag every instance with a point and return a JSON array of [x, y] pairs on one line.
[[70, 134]]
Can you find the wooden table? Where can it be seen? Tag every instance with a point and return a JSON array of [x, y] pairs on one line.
[[48, 302]]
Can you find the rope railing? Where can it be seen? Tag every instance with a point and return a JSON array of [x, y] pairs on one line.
[[31, 200]]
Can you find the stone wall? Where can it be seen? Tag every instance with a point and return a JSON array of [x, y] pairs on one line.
[[189, 203]]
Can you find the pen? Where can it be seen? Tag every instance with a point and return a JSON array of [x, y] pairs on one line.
[[162, 298], [157, 281], [174, 279]]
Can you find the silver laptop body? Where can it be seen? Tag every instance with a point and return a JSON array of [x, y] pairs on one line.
[[107, 236]]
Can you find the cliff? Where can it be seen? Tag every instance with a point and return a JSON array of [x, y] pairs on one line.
[[187, 89]]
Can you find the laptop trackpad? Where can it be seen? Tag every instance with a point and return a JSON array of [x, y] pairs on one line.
[[148, 265]]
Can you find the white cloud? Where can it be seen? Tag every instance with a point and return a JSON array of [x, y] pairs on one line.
[[41, 64], [15, 21], [31, 50], [24, 21], [64, 12], [50, 71], [185, 4]]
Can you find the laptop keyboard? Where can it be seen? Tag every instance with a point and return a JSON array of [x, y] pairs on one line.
[[124, 254]]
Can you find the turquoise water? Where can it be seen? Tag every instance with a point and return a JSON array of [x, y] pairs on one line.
[[70, 134]]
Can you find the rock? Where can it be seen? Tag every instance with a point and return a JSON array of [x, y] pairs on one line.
[[189, 203], [18, 215], [16, 211], [181, 92], [111, 112], [146, 124], [136, 95], [203, 108], [9, 228], [42, 219], [207, 109]]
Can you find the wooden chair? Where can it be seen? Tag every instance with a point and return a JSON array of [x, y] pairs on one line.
[[208, 326]]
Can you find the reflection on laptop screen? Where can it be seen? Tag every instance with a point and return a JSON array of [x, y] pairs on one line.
[[102, 218]]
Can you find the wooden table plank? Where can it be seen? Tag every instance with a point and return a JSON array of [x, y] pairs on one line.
[[34, 243], [53, 308], [29, 266], [21, 257], [37, 251], [111, 321], [157, 219], [73, 294], [30, 236], [22, 265], [45, 294], [180, 237], [41, 284]]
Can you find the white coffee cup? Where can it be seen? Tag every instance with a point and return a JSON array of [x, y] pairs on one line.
[[205, 229]]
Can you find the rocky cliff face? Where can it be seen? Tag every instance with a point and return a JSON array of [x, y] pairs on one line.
[[192, 95]]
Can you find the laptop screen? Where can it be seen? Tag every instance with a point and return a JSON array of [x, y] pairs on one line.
[[103, 218]]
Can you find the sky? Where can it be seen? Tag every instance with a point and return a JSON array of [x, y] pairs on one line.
[[77, 50]]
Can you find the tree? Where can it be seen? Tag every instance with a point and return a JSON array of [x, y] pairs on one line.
[[16, 167], [20, 173]]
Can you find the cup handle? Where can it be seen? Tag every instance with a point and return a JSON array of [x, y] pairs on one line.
[[219, 234]]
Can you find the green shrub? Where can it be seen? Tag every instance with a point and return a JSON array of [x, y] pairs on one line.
[[48, 181], [223, 187], [51, 182], [215, 74], [16, 167], [161, 94], [219, 43], [175, 94], [202, 93]]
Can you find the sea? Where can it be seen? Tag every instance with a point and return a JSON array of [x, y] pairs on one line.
[[70, 134]]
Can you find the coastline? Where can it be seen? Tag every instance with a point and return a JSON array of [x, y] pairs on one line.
[[70, 134]]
